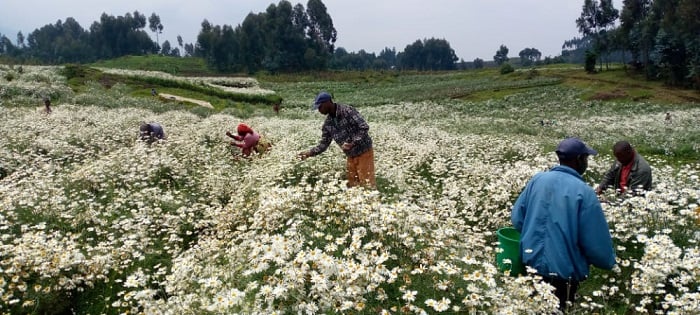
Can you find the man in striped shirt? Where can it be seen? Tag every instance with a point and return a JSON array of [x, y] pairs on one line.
[[348, 129]]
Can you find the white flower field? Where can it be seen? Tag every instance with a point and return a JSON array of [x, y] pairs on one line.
[[94, 222]]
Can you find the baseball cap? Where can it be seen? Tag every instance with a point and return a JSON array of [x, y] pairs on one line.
[[321, 98], [573, 147]]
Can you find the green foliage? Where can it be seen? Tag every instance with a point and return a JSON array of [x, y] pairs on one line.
[[9, 76], [501, 55], [190, 66], [506, 68], [591, 58], [71, 71], [529, 56], [282, 39], [430, 54]]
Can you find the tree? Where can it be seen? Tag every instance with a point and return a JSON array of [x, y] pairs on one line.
[[118, 36], [320, 31], [252, 42], [412, 56], [439, 55], [633, 22], [594, 20], [155, 25], [389, 57], [529, 56], [689, 26], [179, 41], [189, 50], [501, 55], [20, 39], [165, 49], [286, 45], [478, 63], [6, 47], [60, 42], [428, 54]]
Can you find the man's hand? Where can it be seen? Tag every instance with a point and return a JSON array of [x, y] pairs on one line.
[[304, 155], [228, 133]]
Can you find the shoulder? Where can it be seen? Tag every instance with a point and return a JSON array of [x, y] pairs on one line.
[[344, 108], [641, 161]]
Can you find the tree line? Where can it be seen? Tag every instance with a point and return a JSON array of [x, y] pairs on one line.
[[68, 42], [659, 37]]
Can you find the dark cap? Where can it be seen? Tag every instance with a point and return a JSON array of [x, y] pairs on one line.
[[320, 99], [572, 147]]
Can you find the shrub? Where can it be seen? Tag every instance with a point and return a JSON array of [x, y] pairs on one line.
[[591, 58], [73, 71], [9, 76], [506, 68]]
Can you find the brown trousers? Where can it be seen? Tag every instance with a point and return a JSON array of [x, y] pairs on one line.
[[361, 170]]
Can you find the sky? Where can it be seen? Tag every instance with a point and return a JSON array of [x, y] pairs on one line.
[[474, 28]]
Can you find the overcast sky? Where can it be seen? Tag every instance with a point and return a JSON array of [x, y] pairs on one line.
[[474, 28]]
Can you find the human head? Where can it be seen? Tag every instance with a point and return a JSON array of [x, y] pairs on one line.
[[145, 131], [623, 151], [243, 129], [144, 127], [574, 153], [322, 98]]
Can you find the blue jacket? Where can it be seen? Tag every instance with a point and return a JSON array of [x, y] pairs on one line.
[[562, 225]]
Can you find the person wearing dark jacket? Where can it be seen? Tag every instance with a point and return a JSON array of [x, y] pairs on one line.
[[562, 225], [345, 125], [151, 132], [630, 171]]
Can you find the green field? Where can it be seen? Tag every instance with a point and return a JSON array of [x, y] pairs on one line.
[[94, 222]]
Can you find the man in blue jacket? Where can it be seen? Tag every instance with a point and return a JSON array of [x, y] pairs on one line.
[[562, 225]]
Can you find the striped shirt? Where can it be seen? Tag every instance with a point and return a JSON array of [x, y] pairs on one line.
[[346, 126]]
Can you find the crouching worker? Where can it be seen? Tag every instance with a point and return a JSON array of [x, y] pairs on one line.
[[249, 141], [151, 132]]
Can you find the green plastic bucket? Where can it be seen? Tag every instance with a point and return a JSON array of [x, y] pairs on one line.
[[509, 242]]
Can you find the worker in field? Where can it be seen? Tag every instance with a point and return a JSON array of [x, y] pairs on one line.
[[276, 107], [47, 105], [629, 173], [348, 129], [562, 225], [249, 141], [151, 132]]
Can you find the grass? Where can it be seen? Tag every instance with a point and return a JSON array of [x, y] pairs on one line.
[[79, 76], [189, 66], [465, 103], [624, 85], [379, 87]]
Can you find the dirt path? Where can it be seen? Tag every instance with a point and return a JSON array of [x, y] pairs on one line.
[[185, 99]]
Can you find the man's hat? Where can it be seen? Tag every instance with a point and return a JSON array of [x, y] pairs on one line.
[[572, 147], [320, 99]]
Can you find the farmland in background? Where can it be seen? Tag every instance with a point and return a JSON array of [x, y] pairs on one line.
[[93, 221]]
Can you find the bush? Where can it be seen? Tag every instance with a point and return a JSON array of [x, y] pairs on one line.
[[591, 58], [9, 76], [73, 71], [506, 68]]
